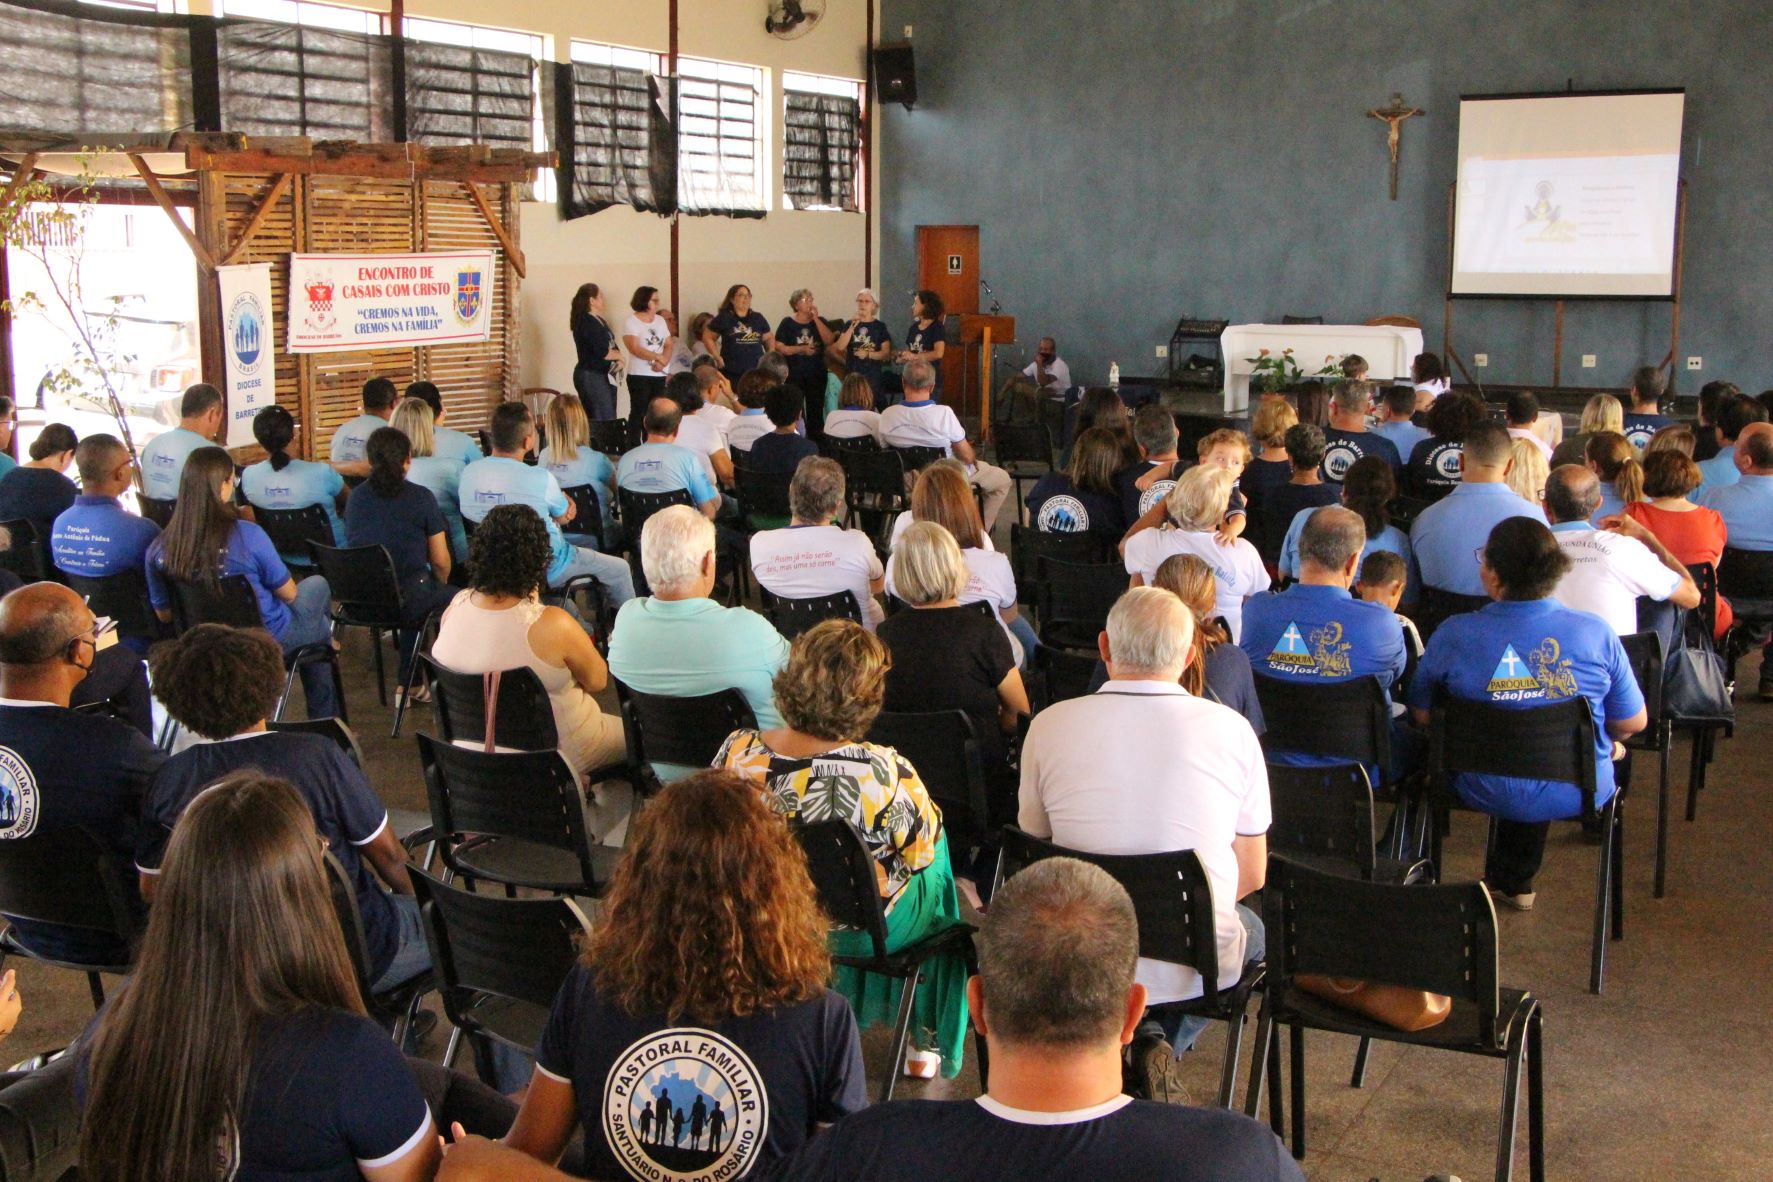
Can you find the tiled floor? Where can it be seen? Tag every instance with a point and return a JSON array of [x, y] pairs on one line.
[[1663, 1077]]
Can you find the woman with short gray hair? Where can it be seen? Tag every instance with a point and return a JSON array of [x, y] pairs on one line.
[[867, 344], [803, 338]]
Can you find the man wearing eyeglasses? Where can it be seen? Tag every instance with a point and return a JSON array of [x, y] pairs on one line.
[[60, 768]]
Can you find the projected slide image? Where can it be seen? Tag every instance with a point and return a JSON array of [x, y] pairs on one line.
[[1568, 215]]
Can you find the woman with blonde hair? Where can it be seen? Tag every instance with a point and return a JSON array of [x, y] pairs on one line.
[[1219, 669], [1603, 412], [442, 475], [573, 462], [1269, 468], [819, 765], [1674, 437], [697, 1024], [1528, 472], [1611, 457], [1193, 511]]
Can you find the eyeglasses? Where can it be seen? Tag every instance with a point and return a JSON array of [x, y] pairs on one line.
[[1479, 555]]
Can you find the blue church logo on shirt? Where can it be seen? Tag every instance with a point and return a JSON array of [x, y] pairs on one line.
[[1448, 461], [1545, 673], [1339, 457], [18, 796], [1322, 652], [686, 1105], [1063, 515], [486, 496], [1290, 651]]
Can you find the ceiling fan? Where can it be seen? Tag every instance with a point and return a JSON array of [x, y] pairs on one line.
[[789, 19]]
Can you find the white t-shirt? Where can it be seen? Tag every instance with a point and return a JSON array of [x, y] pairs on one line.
[[652, 338], [1436, 386], [1058, 371], [904, 520], [810, 561], [720, 416], [1528, 434], [746, 428], [1144, 767], [1237, 568], [920, 424], [700, 435], [851, 423], [1608, 572]]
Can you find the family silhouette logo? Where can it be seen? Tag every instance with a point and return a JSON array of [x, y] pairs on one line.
[[685, 1105]]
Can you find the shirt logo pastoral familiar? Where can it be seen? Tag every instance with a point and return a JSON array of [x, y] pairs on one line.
[[685, 1105], [1339, 457], [1545, 673], [1158, 491], [1063, 515], [18, 796], [1448, 461]]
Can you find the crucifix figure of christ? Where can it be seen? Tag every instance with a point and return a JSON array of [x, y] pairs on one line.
[[1393, 116]]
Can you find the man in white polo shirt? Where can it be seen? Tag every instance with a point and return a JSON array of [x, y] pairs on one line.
[[920, 421], [813, 558], [1141, 767], [1609, 568]]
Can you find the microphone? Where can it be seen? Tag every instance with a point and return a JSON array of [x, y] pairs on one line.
[[995, 306]]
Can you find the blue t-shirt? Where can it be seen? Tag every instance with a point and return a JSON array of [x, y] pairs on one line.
[[868, 335], [349, 440], [97, 537], [163, 461], [780, 453], [665, 467], [1747, 510], [658, 1098], [500, 480], [587, 467], [1404, 436], [7, 463], [1720, 470], [346, 811], [1640, 427], [451, 444], [442, 477], [300, 484], [1056, 506], [404, 523], [741, 341], [1522, 654], [1447, 534], [805, 370], [922, 340], [1343, 448], [1434, 469], [39, 495], [1391, 538], [249, 553], [1317, 634]]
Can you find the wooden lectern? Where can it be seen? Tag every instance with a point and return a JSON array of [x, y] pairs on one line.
[[983, 331]]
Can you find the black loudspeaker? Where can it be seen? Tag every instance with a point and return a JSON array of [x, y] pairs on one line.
[[895, 74]]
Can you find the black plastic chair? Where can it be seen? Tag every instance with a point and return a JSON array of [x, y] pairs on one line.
[[40, 1118], [515, 818], [366, 594], [498, 963], [1029, 548], [944, 749], [397, 1007], [412, 826], [155, 509], [1705, 733], [232, 602], [293, 530], [637, 507], [1644, 651], [1018, 445], [1060, 676], [610, 436], [874, 490], [1073, 599], [794, 616], [71, 878], [523, 718], [762, 497], [686, 731], [834, 448], [1554, 742], [27, 554], [1437, 938], [842, 871], [587, 514], [1404, 511], [1173, 902], [1705, 577], [1324, 818], [1302, 319], [124, 598], [917, 457]]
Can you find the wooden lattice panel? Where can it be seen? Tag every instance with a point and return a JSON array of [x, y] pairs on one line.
[[275, 236], [473, 377]]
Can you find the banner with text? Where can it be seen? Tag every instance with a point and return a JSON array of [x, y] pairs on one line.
[[247, 360], [340, 302]]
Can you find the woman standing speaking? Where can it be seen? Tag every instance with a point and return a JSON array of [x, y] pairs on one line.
[[596, 347]]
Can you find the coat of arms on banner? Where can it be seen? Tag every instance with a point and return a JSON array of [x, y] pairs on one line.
[[320, 317], [467, 296]]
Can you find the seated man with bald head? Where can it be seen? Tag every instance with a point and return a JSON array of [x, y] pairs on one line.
[[1446, 534], [96, 537], [60, 769], [1610, 567]]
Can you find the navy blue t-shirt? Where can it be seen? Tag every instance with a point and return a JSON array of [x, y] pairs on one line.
[[60, 769], [741, 341], [700, 1103], [779, 453], [868, 335], [404, 524], [592, 340], [1434, 468], [980, 1140], [1640, 427], [1281, 504], [806, 370], [1343, 448], [346, 811], [36, 494], [922, 340], [1056, 506]]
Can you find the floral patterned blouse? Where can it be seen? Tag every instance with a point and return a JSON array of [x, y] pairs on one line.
[[866, 783]]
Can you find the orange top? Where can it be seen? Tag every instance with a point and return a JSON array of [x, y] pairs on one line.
[[1694, 536]]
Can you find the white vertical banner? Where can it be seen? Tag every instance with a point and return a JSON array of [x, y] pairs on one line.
[[246, 347]]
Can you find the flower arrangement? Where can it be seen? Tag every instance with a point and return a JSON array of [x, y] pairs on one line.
[[1271, 372]]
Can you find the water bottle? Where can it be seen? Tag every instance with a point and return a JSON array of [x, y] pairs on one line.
[[1114, 373]]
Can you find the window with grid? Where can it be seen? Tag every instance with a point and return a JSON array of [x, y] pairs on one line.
[[305, 68], [466, 84], [720, 138], [613, 131], [100, 72], [821, 142]]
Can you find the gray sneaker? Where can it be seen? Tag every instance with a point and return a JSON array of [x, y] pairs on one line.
[[1155, 1073]]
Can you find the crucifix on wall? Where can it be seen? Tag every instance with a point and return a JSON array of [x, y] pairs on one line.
[[1393, 117]]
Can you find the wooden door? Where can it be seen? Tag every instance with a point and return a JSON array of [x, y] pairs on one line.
[[948, 264]]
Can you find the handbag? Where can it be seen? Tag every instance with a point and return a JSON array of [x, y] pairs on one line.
[[1695, 682], [1396, 1006]]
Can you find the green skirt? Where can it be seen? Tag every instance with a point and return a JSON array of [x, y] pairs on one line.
[[939, 1012]]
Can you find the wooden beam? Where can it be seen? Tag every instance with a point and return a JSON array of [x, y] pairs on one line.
[[278, 188], [204, 258], [512, 250], [27, 168]]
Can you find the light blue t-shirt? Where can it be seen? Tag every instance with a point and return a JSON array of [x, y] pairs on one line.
[[1404, 436], [689, 647], [163, 461], [1747, 510], [1390, 538], [450, 444], [349, 440], [300, 484], [498, 480], [1717, 472], [1519, 655], [1611, 505], [1449, 532], [7, 463], [588, 466], [665, 467], [442, 475]]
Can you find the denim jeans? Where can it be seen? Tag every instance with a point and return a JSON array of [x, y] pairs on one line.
[[1182, 1029], [310, 622], [612, 572], [1023, 631], [412, 955], [595, 392]]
